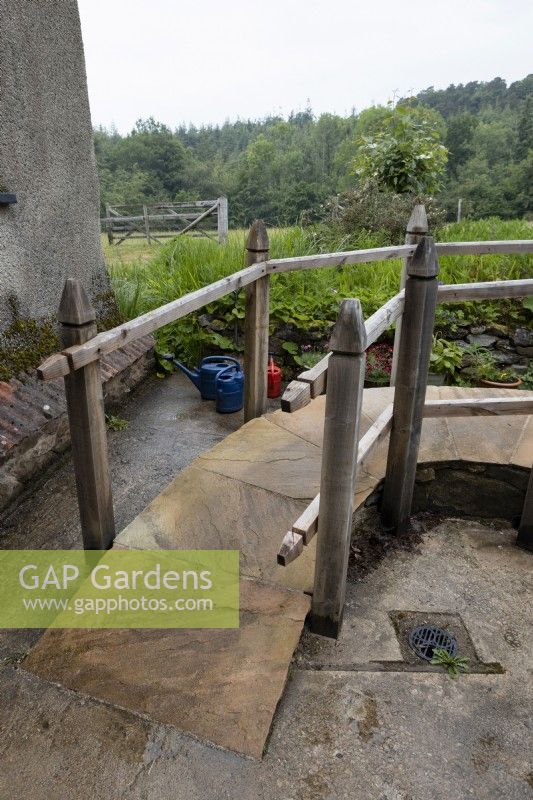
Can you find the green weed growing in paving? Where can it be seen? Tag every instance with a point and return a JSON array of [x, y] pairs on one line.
[[454, 665], [116, 423]]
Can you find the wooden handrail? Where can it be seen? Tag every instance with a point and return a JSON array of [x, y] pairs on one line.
[[341, 259], [505, 247], [75, 357], [515, 246], [487, 290], [106, 342]]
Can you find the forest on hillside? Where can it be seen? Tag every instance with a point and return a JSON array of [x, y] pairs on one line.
[[287, 170]]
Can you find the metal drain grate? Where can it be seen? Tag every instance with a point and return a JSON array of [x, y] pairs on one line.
[[426, 638]]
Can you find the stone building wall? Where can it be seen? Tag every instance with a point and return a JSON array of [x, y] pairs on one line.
[[46, 159]]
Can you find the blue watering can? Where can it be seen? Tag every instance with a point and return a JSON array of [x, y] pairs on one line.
[[204, 378], [230, 389]]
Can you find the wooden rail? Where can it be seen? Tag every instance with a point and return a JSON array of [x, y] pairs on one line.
[[400, 251], [76, 357], [78, 363]]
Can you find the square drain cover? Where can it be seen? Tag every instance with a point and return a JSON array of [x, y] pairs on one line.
[[419, 632]]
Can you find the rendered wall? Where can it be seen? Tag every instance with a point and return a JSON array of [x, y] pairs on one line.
[[46, 158]]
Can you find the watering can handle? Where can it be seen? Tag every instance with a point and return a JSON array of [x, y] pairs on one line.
[[227, 369], [208, 359]]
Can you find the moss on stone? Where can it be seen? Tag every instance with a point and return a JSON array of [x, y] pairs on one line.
[[26, 342]]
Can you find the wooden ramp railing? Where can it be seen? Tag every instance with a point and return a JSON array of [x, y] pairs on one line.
[[330, 513], [79, 362]]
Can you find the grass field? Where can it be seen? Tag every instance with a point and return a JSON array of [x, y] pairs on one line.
[[132, 251]]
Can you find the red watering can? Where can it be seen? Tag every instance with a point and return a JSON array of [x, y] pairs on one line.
[[274, 379]]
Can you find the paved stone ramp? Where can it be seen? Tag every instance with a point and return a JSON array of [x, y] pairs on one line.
[[245, 493]]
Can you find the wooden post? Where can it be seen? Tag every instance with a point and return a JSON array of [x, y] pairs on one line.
[[417, 228], [109, 224], [146, 224], [85, 406], [525, 529], [459, 209], [222, 220], [256, 326], [409, 397], [346, 374]]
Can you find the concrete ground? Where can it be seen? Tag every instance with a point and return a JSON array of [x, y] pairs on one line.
[[356, 720]]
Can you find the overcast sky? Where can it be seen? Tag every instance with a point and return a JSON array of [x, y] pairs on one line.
[[205, 61]]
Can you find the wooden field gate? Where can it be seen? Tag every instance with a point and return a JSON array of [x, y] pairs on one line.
[[158, 221]]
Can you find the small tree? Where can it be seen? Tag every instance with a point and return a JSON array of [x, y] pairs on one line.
[[406, 154]]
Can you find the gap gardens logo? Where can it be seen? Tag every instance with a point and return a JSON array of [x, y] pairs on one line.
[[119, 589]]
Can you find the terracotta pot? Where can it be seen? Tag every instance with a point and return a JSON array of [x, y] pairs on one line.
[[497, 385]]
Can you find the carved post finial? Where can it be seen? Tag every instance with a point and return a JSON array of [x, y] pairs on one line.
[[349, 333], [257, 240], [424, 263], [75, 307]]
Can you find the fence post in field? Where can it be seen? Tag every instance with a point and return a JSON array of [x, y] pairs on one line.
[[222, 220], [109, 225], [525, 529], [85, 406], [146, 224], [409, 397], [344, 395], [417, 228], [256, 326]]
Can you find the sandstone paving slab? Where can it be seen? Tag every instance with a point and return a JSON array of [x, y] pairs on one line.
[[221, 686], [265, 455], [308, 422], [486, 439], [204, 510], [375, 400], [436, 442]]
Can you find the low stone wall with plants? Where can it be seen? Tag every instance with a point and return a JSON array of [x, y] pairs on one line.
[[470, 354]]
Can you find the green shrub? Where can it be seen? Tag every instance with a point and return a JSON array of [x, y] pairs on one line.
[[446, 357], [370, 209]]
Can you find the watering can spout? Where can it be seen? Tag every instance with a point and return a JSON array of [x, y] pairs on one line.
[[192, 374]]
